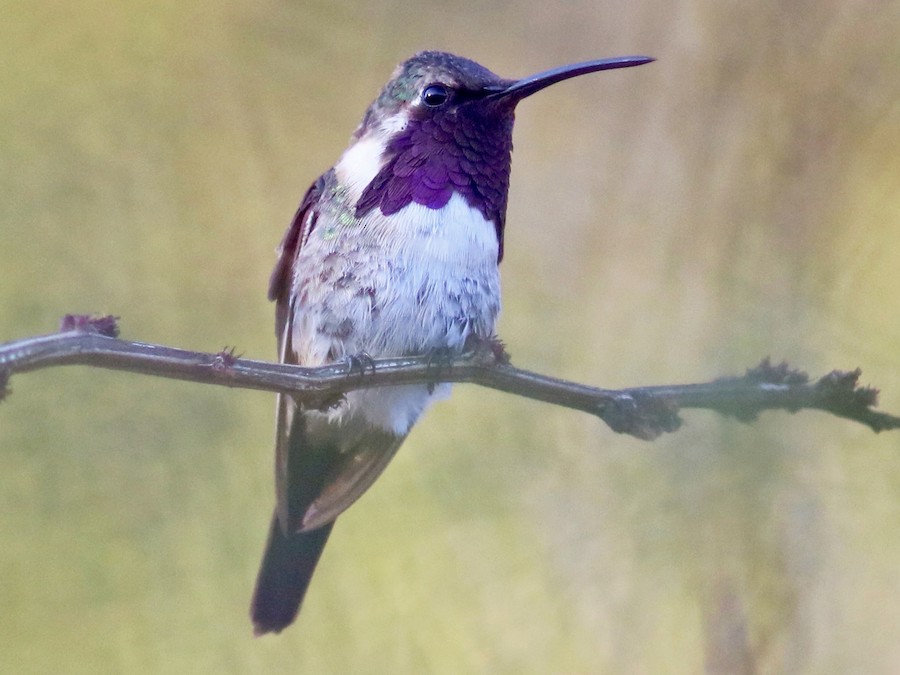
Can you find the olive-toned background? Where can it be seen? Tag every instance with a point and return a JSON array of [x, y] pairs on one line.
[[671, 223]]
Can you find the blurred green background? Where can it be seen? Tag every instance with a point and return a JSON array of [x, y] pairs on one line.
[[672, 223]]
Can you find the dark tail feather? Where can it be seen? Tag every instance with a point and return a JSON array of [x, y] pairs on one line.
[[284, 575]]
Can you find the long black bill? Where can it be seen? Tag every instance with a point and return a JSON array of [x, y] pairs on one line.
[[527, 86]]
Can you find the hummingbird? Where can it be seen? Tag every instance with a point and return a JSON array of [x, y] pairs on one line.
[[392, 252]]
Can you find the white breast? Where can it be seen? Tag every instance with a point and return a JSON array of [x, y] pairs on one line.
[[408, 283]]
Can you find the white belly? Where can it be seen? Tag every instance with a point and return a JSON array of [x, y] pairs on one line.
[[416, 281]]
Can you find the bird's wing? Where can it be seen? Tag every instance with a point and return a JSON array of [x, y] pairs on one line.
[[321, 471], [280, 290], [296, 235]]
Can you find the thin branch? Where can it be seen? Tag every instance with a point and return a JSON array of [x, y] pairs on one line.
[[644, 412]]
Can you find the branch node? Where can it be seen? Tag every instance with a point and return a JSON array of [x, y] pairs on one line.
[[643, 417], [107, 325], [224, 360], [742, 413], [840, 390], [766, 373]]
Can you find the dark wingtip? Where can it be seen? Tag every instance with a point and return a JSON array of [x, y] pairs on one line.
[[284, 576], [260, 629]]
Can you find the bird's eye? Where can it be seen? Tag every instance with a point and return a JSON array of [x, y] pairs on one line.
[[435, 95]]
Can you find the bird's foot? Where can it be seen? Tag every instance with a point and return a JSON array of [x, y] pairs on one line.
[[439, 359], [491, 346], [358, 364]]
